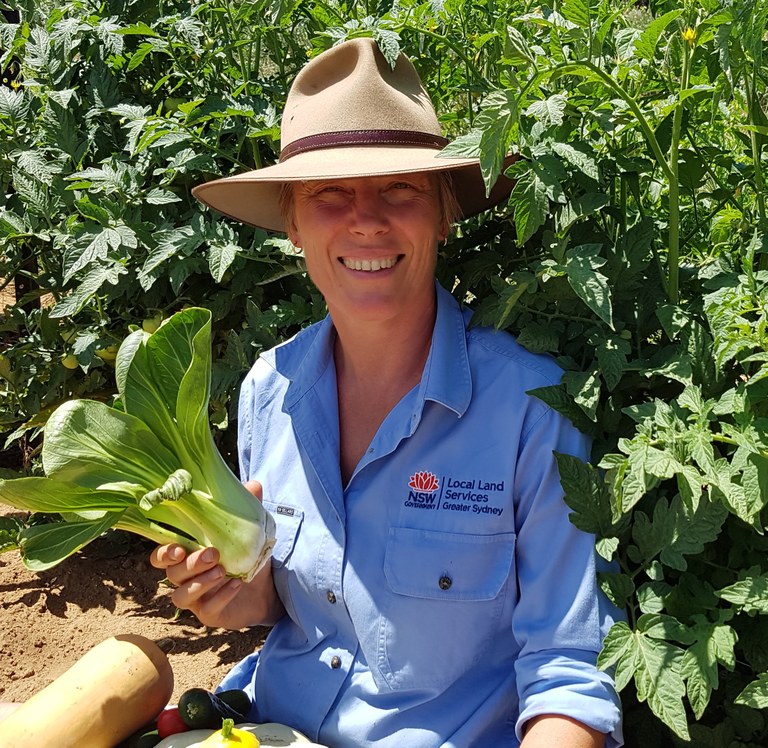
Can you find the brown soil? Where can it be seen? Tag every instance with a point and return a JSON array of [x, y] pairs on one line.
[[48, 620]]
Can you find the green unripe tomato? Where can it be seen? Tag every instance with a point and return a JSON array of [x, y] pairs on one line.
[[150, 324], [108, 354], [171, 104]]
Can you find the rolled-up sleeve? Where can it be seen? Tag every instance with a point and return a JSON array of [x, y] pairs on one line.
[[561, 617]]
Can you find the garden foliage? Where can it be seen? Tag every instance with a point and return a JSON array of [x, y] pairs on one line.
[[634, 248]]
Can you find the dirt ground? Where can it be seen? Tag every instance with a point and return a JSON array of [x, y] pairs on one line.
[[50, 619]]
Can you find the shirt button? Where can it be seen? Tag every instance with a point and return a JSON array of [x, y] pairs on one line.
[[331, 597], [335, 662], [445, 582]]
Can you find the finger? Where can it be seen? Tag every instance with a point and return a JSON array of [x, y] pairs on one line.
[[167, 555], [193, 565], [191, 593], [254, 487], [212, 605]]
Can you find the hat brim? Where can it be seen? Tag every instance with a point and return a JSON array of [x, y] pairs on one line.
[[253, 196]]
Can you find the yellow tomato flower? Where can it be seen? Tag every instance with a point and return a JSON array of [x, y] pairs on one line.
[[689, 35]]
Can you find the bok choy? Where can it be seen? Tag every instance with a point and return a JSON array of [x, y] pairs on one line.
[[149, 465]]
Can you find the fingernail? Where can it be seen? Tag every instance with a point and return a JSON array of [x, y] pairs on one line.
[[208, 555], [234, 584], [176, 554]]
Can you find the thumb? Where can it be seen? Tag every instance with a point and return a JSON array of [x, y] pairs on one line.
[[254, 487]]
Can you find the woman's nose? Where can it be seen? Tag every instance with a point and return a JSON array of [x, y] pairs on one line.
[[369, 213]]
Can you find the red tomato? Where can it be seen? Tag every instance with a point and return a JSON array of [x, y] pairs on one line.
[[169, 722]]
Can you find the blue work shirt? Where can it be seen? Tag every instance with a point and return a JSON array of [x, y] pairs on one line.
[[442, 597]]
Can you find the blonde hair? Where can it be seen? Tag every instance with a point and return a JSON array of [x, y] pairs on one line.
[[450, 211]]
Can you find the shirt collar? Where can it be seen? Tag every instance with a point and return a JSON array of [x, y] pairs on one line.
[[446, 379]]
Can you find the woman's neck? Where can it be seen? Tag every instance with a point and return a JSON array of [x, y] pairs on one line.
[[377, 364], [384, 352]]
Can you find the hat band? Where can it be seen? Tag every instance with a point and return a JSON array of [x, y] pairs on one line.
[[362, 137]]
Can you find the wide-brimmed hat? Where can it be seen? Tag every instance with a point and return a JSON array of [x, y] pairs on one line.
[[350, 114]]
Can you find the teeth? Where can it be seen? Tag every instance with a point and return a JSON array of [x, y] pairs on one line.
[[369, 266]]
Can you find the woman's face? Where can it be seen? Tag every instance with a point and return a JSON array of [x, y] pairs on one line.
[[370, 243]]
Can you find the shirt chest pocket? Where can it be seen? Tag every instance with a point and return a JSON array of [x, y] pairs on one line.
[[441, 605]]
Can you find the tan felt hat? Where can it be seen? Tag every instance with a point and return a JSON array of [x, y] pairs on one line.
[[349, 114]]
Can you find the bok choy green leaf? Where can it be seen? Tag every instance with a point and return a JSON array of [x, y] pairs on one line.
[[148, 466]]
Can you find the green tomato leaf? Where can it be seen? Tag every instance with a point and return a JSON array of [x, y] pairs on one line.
[[620, 652], [584, 387], [497, 122], [549, 112], [612, 354], [220, 258], [692, 531], [676, 532], [749, 595], [577, 11], [529, 199], [389, 44], [714, 645], [591, 287], [87, 288], [645, 46], [10, 532], [618, 588], [659, 680], [586, 494], [664, 627], [578, 158], [755, 694], [465, 146]]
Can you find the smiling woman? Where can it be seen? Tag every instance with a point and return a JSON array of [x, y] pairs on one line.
[[347, 226], [354, 433]]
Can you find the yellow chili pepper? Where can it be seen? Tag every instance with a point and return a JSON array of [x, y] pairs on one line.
[[230, 737]]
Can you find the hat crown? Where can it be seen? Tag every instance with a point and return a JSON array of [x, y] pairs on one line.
[[353, 87]]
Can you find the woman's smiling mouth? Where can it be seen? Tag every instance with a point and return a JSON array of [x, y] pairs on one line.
[[370, 266]]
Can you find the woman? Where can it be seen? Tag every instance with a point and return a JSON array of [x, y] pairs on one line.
[[426, 587]]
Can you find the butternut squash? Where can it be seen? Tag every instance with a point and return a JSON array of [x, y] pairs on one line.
[[109, 693]]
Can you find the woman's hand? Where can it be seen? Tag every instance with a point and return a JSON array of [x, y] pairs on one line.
[[217, 600]]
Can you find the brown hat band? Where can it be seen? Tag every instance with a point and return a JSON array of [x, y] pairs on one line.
[[362, 137]]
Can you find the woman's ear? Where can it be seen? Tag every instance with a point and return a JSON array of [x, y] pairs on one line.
[[293, 235]]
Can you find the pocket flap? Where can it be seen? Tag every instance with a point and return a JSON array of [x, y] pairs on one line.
[[447, 566], [287, 522]]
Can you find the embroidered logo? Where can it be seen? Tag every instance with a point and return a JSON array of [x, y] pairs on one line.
[[424, 481], [476, 496], [423, 493]]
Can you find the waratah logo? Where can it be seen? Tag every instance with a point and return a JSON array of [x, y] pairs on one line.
[[424, 481]]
